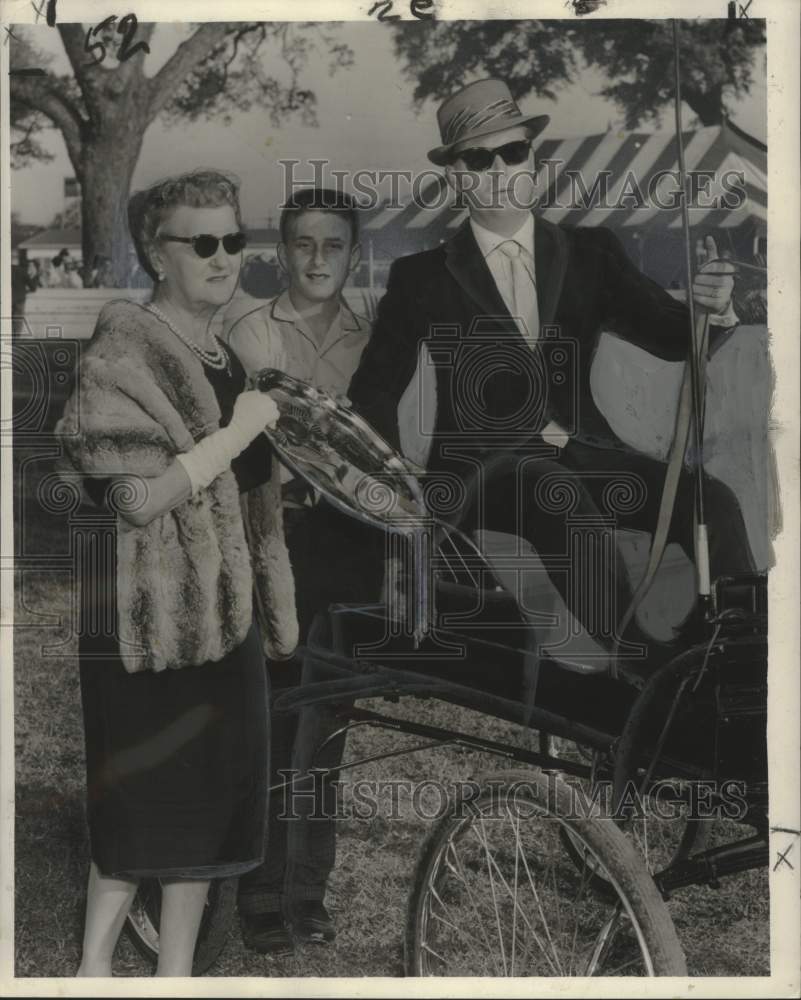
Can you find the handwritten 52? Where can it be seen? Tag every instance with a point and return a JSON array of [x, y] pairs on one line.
[[126, 27]]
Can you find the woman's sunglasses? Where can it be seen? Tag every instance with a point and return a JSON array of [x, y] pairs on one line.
[[206, 246], [479, 159]]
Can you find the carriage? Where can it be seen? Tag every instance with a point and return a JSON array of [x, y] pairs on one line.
[[561, 864]]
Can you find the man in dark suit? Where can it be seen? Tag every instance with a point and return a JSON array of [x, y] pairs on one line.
[[511, 310]]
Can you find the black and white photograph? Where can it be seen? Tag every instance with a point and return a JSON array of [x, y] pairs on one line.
[[400, 456]]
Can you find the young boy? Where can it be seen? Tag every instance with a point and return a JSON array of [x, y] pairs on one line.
[[308, 330]]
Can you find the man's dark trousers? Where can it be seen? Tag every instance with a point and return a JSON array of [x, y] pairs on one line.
[[534, 496]]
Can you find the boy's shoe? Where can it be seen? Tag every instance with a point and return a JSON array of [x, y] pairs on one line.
[[267, 934], [310, 921]]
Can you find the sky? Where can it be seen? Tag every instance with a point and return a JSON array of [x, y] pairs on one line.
[[366, 120]]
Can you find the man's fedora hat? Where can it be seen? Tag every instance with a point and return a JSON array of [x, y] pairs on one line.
[[480, 109]]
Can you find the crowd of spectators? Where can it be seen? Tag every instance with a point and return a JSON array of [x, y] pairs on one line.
[[62, 271], [65, 271]]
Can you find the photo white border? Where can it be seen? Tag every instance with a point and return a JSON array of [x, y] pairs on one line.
[[784, 237]]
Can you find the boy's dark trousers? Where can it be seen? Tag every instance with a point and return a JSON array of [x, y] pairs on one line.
[[335, 559], [301, 831]]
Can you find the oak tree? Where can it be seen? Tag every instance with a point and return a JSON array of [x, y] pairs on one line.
[[104, 106], [540, 57]]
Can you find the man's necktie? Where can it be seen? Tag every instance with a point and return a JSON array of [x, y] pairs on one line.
[[527, 314], [524, 290]]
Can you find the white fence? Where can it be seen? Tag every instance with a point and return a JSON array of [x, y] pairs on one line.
[[72, 313]]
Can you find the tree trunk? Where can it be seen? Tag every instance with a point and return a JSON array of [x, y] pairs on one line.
[[107, 167], [103, 128]]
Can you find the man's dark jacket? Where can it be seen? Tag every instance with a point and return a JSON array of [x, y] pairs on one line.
[[490, 386]]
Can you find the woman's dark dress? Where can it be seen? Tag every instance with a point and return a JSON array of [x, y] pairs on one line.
[[177, 761]]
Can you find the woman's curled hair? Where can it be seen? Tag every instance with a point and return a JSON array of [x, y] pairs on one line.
[[148, 209]]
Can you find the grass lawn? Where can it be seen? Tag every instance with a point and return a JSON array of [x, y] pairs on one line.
[[724, 931]]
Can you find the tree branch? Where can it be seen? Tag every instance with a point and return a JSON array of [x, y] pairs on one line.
[[72, 38], [26, 148], [41, 93], [188, 54], [28, 132], [237, 39], [130, 73]]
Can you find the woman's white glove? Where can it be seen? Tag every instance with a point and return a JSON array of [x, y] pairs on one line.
[[253, 411]]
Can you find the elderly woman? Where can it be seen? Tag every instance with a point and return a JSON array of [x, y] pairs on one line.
[[161, 430]]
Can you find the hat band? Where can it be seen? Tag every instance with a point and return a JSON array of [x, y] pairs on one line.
[[468, 121]]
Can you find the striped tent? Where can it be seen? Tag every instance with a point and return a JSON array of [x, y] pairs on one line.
[[624, 180]]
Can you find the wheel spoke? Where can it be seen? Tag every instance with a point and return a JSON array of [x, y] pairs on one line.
[[644, 843], [454, 864], [427, 947], [545, 923], [490, 863], [514, 908], [603, 941], [555, 965], [440, 918], [466, 936], [584, 882]]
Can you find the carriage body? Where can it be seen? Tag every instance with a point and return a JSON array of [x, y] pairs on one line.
[[461, 635], [698, 721]]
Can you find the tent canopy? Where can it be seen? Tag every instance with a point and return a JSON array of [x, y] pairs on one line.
[[50, 241], [625, 180]]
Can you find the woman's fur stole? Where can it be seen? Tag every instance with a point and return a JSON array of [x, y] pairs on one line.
[[185, 581]]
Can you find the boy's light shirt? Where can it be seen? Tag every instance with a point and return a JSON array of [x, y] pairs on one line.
[[274, 335]]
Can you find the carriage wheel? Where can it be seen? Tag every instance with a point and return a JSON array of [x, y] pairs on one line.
[[669, 738], [661, 841], [496, 894], [661, 833], [661, 837], [142, 922]]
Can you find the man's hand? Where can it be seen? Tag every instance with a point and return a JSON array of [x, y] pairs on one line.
[[714, 283]]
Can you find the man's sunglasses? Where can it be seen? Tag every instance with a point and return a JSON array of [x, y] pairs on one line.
[[479, 159], [206, 246]]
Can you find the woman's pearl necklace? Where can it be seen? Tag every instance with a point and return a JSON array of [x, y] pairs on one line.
[[216, 358]]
